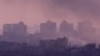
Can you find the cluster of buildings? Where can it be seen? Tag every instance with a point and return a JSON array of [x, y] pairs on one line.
[[14, 32], [14, 29], [50, 28], [58, 43], [18, 32]]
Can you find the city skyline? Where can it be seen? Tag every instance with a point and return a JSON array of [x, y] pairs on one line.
[[49, 27], [85, 33], [35, 12]]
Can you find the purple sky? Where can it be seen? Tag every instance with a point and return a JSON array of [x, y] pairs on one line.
[[36, 11]]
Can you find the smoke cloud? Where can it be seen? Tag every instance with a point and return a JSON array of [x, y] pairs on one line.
[[80, 8]]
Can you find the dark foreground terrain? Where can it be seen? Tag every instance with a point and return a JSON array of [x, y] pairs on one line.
[[16, 49]]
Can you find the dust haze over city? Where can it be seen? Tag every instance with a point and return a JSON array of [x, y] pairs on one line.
[[50, 23]]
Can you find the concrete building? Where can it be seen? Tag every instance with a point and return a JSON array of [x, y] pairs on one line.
[[14, 29], [58, 43], [87, 31], [66, 28], [15, 32], [49, 27]]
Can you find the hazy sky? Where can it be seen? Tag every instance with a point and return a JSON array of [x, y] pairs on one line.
[[36, 11]]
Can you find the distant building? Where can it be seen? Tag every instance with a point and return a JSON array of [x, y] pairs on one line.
[[58, 43], [62, 42], [86, 27], [14, 29], [49, 27], [66, 28], [47, 43], [15, 32], [86, 30], [7, 29], [22, 29]]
